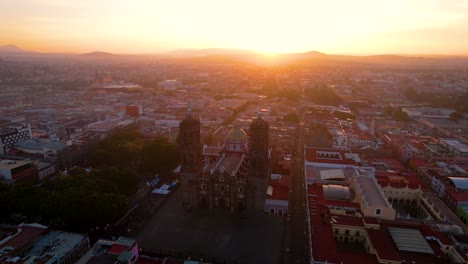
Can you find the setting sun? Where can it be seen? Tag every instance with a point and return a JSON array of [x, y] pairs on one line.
[[361, 27]]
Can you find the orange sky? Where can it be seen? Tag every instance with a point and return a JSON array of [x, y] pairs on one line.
[[149, 26]]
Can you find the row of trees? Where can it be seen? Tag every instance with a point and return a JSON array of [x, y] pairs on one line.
[[395, 113], [74, 202], [129, 149], [322, 94], [455, 101], [83, 198]]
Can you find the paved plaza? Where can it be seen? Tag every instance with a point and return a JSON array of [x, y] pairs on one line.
[[224, 236]]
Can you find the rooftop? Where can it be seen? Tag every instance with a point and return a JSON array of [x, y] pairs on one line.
[[410, 240], [230, 163], [332, 174], [56, 243], [331, 156], [25, 234], [371, 191], [237, 134], [11, 164], [460, 182], [456, 144]]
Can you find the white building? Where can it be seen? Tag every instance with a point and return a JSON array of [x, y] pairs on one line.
[[170, 85], [428, 112], [12, 135], [455, 147]]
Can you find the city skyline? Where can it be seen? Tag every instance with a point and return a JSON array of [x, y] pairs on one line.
[[336, 27]]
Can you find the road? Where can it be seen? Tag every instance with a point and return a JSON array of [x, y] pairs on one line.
[[297, 246]]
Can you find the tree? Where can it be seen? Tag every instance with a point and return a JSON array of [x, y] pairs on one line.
[[70, 202], [387, 110], [125, 181], [396, 113], [401, 116], [291, 118], [159, 155], [322, 94]]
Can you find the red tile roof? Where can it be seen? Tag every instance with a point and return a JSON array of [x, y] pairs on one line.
[[283, 181], [116, 249], [26, 234], [443, 238], [338, 203], [324, 246], [280, 188], [279, 193], [348, 220], [459, 196], [383, 244], [418, 163], [398, 180], [393, 164], [311, 156]]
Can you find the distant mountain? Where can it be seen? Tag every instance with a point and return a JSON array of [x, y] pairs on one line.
[[313, 53], [97, 54], [222, 56], [11, 49]]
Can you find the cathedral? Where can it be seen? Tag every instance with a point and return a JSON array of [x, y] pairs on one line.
[[218, 176]]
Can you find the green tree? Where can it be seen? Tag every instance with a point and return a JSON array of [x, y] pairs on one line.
[[291, 118], [322, 94], [159, 155]]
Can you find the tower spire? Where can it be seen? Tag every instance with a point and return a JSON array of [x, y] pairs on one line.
[[189, 109], [259, 111]]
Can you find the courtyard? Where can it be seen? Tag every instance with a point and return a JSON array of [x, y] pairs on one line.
[[214, 234]]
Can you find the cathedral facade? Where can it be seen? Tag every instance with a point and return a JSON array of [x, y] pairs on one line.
[[218, 176]]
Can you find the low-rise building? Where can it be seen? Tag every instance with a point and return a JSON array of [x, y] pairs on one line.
[[122, 251], [34, 243], [10, 136], [18, 170], [276, 201], [455, 147]]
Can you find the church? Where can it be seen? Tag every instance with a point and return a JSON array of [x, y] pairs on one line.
[[220, 176]]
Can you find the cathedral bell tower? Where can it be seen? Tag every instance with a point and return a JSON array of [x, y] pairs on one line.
[[189, 144], [258, 150]]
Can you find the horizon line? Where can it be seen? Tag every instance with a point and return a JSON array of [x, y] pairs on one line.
[[242, 51]]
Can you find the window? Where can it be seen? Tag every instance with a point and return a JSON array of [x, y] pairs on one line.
[[346, 232], [221, 188], [241, 190], [221, 178], [378, 211], [203, 186]]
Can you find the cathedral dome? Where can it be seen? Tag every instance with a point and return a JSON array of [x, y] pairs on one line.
[[237, 134]]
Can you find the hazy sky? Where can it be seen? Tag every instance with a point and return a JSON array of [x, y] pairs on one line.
[[145, 26]]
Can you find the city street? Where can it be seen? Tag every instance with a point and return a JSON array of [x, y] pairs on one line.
[[296, 238]]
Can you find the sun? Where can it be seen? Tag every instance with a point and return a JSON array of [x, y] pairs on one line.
[[268, 54]]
